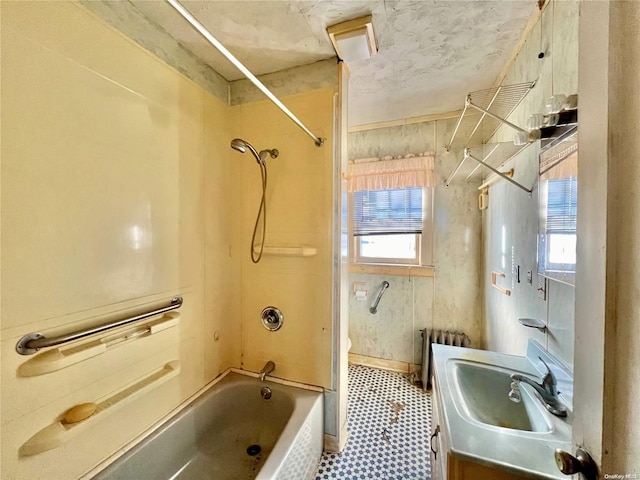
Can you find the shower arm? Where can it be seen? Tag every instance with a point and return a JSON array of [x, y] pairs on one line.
[[374, 308], [245, 71]]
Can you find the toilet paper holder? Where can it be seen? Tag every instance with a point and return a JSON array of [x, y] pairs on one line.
[[360, 291]]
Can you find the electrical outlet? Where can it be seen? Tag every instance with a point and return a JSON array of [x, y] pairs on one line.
[[529, 277], [542, 288]]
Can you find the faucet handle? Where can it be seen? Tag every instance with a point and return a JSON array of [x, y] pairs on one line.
[[545, 364], [549, 378]]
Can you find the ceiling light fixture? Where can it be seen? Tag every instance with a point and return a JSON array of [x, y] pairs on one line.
[[354, 39]]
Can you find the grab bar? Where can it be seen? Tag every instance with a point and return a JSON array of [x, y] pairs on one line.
[[374, 308], [61, 357], [32, 342]]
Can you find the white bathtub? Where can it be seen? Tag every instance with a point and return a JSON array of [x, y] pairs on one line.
[[218, 434]]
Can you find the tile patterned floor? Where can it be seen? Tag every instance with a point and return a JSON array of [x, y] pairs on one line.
[[389, 429]]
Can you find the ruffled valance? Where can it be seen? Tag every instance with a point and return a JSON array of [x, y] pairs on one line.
[[389, 174]]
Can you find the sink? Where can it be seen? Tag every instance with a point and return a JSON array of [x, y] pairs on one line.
[[478, 422], [483, 395]]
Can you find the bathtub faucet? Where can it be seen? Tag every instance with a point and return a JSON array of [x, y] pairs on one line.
[[267, 369]]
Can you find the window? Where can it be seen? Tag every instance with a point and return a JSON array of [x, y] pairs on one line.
[[388, 225], [390, 208], [562, 212], [558, 206]]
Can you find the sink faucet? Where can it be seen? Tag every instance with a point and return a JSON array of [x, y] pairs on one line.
[[547, 391], [267, 369]]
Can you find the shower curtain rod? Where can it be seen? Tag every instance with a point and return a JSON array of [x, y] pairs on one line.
[[221, 48]]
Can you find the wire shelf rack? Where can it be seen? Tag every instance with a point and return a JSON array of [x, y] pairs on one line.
[[492, 154], [484, 112]]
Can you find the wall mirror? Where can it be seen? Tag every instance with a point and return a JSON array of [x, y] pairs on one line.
[[558, 208]]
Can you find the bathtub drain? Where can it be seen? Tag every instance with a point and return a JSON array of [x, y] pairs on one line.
[[253, 450]]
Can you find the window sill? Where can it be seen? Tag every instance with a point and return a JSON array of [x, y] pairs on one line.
[[400, 270]]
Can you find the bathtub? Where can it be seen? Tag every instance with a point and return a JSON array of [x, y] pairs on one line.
[[231, 432]]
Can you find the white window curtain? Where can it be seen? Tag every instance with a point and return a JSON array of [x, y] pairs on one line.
[[391, 173]]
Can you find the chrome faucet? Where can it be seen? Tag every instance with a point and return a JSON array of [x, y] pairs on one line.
[[266, 370], [547, 390]]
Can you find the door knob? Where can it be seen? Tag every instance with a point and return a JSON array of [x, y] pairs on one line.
[[582, 463]]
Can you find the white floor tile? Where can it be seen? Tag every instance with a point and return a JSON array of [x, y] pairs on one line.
[[389, 428]]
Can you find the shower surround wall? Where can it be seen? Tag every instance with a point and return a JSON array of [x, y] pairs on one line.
[[108, 156], [450, 297], [299, 209], [119, 190], [510, 224]]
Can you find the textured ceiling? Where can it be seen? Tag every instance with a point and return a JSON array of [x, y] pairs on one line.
[[431, 52]]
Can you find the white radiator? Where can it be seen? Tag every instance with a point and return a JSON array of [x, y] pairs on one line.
[[443, 337]]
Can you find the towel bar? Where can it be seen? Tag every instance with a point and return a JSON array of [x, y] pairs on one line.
[[32, 342], [494, 276]]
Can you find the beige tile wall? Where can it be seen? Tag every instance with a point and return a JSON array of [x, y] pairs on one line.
[[222, 253], [299, 208], [120, 191], [116, 180]]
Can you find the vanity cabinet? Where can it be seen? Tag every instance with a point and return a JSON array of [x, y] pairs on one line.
[[438, 444], [447, 466]]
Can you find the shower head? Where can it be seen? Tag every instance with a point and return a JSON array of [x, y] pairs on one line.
[[239, 145], [242, 146]]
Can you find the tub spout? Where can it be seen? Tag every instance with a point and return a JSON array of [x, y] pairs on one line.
[[267, 369]]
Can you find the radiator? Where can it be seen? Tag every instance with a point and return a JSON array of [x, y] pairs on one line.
[[443, 337]]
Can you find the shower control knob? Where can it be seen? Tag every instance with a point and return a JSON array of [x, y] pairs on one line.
[[272, 318], [582, 463]]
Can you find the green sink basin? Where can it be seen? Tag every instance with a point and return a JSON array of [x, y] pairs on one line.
[[483, 395]]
